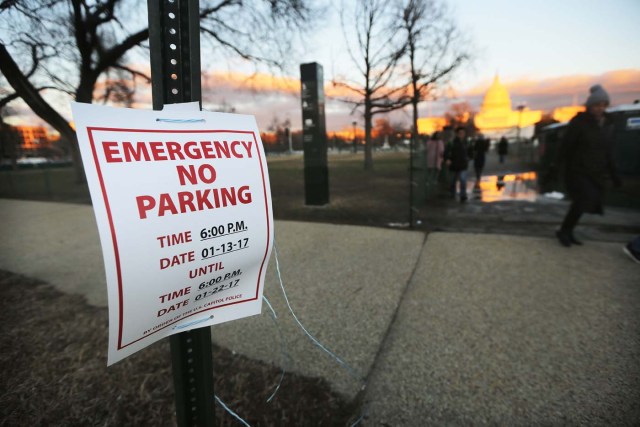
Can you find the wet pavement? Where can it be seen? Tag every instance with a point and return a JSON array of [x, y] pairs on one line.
[[507, 201], [511, 187]]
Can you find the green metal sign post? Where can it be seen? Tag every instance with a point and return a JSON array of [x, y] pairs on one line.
[[174, 40]]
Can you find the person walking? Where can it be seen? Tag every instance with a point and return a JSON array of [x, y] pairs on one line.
[[435, 156], [458, 163], [503, 148], [480, 148], [586, 157]]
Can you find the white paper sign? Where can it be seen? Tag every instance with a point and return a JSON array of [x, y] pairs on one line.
[[183, 206]]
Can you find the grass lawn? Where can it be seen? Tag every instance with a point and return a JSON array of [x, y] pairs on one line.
[[356, 196]]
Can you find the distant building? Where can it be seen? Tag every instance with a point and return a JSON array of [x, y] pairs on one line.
[[33, 137], [497, 117], [32, 140], [429, 125]]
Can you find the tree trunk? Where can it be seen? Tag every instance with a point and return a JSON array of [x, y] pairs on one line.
[[10, 141], [413, 145], [368, 156], [414, 128], [84, 94], [29, 94]]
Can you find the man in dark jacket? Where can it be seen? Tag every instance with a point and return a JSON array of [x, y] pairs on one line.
[[586, 155], [458, 162]]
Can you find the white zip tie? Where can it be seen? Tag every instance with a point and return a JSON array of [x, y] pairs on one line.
[[273, 312], [283, 352], [344, 364], [364, 413], [226, 408]]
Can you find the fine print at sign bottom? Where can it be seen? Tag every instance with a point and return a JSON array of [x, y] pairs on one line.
[[184, 214]]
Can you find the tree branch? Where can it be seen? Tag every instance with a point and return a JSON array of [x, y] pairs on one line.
[[25, 90], [113, 55], [134, 72]]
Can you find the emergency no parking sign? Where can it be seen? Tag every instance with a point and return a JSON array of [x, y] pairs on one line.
[[183, 206]]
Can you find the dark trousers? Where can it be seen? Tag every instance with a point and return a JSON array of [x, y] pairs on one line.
[[571, 219], [459, 176], [478, 166]]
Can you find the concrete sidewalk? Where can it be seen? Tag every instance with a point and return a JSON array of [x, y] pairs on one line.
[[455, 329], [512, 331]]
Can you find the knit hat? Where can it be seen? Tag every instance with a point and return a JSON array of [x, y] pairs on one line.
[[597, 94]]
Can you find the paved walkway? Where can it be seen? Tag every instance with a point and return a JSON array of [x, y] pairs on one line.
[[452, 329]]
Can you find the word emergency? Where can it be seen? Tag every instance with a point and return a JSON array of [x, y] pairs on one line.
[[126, 151]]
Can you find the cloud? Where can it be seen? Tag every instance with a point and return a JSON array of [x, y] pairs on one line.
[[268, 97], [261, 83], [615, 82], [254, 83]]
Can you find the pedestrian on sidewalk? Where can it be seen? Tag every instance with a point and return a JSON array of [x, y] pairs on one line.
[[480, 148], [435, 157], [458, 162], [586, 157], [503, 148]]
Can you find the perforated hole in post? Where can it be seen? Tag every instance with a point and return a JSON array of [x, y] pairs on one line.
[[172, 15], [174, 76], [174, 91], [173, 46]]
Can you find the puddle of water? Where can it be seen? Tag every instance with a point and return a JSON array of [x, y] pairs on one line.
[[498, 188]]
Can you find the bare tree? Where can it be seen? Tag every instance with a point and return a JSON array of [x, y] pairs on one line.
[[434, 49], [82, 42], [375, 53], [18, 82]]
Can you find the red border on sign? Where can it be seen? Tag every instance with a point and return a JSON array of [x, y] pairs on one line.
[[113, 231]]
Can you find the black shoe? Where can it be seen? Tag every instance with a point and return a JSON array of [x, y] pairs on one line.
[[634, 255], [573, 240], [564, 238]]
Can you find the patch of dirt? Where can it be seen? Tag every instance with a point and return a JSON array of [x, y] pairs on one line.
[[53, 371]]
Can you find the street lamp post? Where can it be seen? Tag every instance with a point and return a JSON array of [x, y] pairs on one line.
[[287, 131], [520, 108]]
